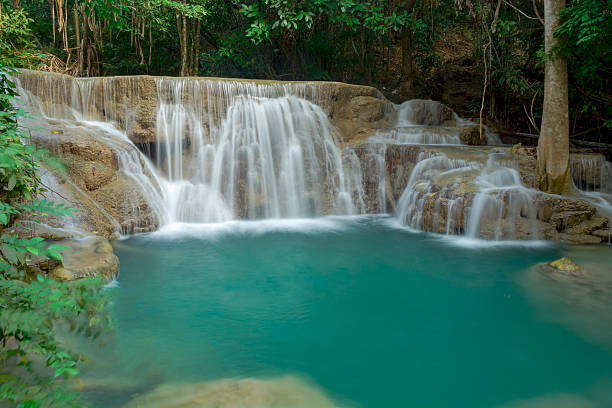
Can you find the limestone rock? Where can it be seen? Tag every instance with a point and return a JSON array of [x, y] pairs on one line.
[[605, 234], [363, 108], [562, 266], [108, 202], [565, 264], [470, 135], [285, 392], [87, 257]]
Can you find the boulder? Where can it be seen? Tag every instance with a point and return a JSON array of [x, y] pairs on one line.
[[86, 257], [470, 135], [562, 270]]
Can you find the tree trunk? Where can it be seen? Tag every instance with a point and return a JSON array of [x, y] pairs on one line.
[[184, 47], [196, 49], [407, 79], [553, 144]]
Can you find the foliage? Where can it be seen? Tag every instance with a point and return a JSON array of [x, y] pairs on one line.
[[16, 39], [359, 41], [33, 307], [587, 31]]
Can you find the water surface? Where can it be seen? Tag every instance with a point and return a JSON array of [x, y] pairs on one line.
[[367, 313]]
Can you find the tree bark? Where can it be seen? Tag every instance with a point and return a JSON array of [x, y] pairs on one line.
[[553, 144], [196, 49], [407, 80], [184, 45]]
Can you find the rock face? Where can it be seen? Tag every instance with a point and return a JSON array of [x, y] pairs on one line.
[[427, 113], [447, 193], [471, 136], [108, 201]]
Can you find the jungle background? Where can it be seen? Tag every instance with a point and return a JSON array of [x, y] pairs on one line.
[[470, 54]]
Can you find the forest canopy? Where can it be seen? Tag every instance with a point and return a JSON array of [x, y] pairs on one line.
[[451, 50]]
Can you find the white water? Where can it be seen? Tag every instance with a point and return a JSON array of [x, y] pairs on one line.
[[593, 176], [271, 155], [230, 150], [225, 149], [500, 202], [497, 202], [425, 122]]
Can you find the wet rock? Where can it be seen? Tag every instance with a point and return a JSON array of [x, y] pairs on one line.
[[364, 108], [87, 257], [108, 201], [285, 392], [587, 227], [605, 234], [28, 229], [470, 135], [574, 239], [564, 265]]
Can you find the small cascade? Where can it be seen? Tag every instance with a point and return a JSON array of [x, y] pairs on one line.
[[416, 207], [462, 197], [592, 174], [419, 135], [59, 102], [421, 121], [500, 202]]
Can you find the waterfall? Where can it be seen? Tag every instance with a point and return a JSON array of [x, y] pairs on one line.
[[462, 197], [501, 201], [58, 101], [253, 151], [592, 174], [415, 206], [223, 149], [421, 121], [197, 150]]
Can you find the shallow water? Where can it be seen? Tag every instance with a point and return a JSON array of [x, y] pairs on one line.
[[359, 309]]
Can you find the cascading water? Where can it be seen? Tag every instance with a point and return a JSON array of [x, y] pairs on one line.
[[414, 207], [218, 150], [259, 152], [70, 104], [224, 150], [428, 122], [500, 202], [462, 197], [592, 174]]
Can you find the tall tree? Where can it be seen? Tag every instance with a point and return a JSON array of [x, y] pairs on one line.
[[406, 8], [553, 144]]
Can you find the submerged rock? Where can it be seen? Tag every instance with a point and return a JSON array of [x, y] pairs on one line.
[[87, 257], [553, 400], [575, 291], [286, 392], [563, 265]]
